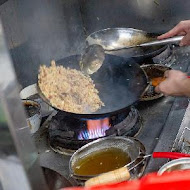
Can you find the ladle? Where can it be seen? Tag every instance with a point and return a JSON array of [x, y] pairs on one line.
[[175, 39], [92, 59], [94, 55]]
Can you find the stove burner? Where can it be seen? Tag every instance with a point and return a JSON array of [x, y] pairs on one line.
[[67, 134]]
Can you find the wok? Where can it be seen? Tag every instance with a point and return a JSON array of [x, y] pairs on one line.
[[121, 82], [114, 38]]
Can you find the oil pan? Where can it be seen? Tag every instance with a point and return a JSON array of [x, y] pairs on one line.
[[131, 146]]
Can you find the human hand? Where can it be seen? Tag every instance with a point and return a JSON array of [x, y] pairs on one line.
[[183, 29], [176, 84]]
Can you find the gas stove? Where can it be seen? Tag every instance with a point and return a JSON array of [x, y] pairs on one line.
[[66, 134], [159, 121]]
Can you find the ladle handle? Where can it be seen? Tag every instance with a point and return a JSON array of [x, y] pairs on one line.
[[118, 175], [163, 42], [170, 155]]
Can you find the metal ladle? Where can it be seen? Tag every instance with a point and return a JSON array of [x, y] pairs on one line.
[[175, 39], [94, 55], [92, 59]]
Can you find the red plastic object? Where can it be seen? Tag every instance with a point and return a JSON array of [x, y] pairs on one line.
[[170, 155], [177, 180]]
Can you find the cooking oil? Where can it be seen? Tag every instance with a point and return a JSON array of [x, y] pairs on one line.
[[101, 161]]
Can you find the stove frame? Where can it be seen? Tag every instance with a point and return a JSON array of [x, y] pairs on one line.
[[161, 122]]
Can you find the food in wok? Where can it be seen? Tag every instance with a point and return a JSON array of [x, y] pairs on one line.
[[68, 89]]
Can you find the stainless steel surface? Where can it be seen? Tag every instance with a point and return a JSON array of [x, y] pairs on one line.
[[92, 59], [18, 157], [182, 141], [172, 40], [119, 38], [162, 42], [118, 41], [178, 164], [130, 146]]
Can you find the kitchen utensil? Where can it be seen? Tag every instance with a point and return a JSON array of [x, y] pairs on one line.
[[92, 59], [33, 113], [169, 155], [132, 147], [179, 164], [30, 93], [123, 174], [120, 82], [94, 55], [118, 38], [175, 39], [116, 176]]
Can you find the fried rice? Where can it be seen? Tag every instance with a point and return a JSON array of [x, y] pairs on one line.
[[68, 89]]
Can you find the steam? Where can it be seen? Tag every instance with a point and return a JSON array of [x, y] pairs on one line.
[[53, 29]]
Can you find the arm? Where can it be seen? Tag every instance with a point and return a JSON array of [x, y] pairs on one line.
[[183, 28], [176, 84]]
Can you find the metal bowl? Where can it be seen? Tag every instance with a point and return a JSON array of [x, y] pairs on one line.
[[114, 38], [152, 71], [131, 146], [33, 120], [30, 93], [178, 164]]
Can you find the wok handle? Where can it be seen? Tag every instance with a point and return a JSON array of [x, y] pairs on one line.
[[118, 175], [162, 42], [170, 155]]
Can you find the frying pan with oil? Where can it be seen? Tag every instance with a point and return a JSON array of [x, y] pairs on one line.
[[120, 82], [114, 38]]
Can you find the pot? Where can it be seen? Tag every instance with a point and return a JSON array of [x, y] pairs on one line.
[[131, 146], [33, 114], [30, 93], [114, 38], [178, 164], [120, 82]]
